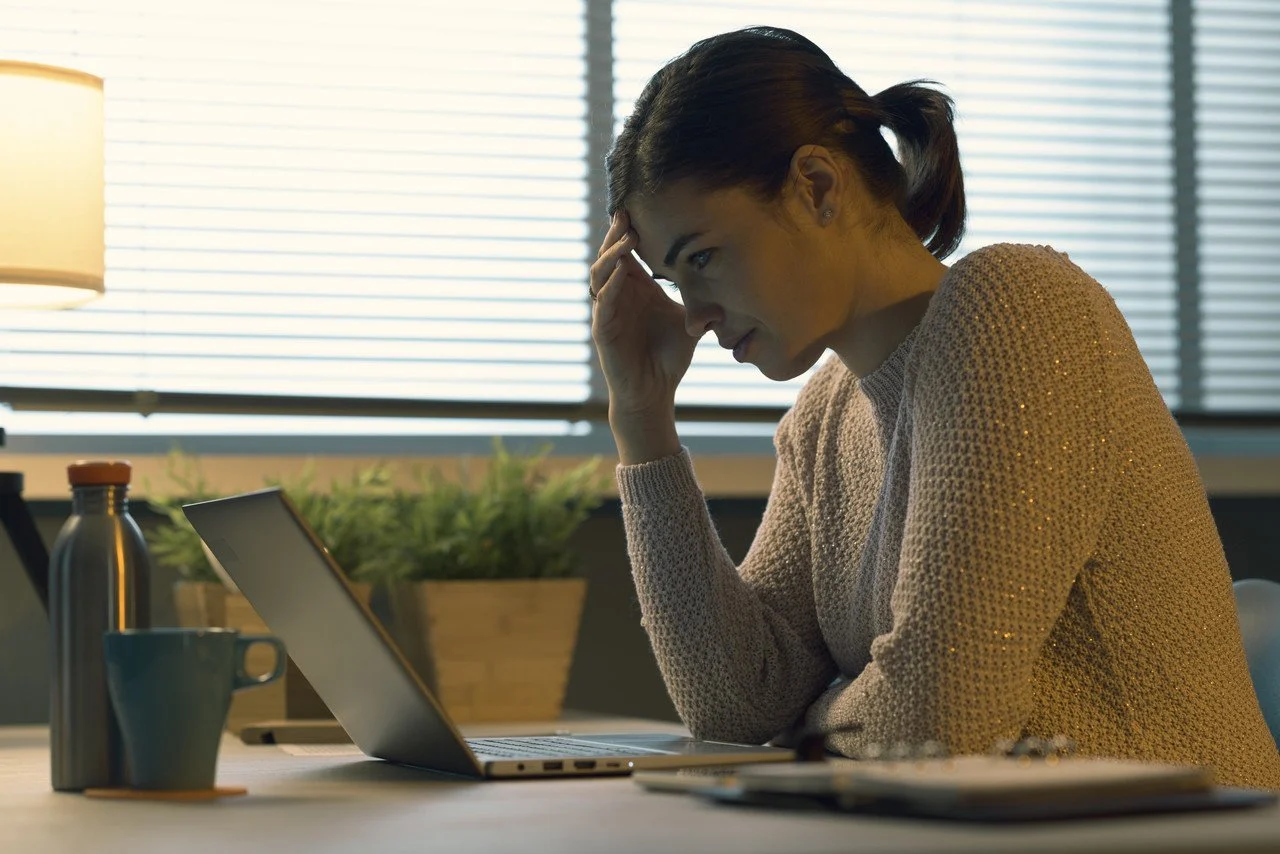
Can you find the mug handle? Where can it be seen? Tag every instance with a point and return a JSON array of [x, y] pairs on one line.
[[242, 678]]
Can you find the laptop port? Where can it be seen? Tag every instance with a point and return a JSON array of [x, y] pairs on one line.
[[584, 764], [552, 766]]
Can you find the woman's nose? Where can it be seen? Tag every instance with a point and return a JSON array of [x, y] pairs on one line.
[[700, 317]]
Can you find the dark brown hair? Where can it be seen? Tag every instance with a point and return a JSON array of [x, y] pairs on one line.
[[733, 109]]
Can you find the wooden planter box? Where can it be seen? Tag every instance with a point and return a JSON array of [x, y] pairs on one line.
[[491, 650]]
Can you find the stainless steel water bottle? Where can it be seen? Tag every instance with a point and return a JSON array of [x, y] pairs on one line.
[[99, 576]]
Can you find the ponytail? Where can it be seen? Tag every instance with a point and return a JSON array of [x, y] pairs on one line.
[[932, 195]]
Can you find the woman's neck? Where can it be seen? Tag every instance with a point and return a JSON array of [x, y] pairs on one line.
[[892, 298]]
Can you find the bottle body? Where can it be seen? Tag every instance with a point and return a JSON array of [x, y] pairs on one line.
[[99, 581]]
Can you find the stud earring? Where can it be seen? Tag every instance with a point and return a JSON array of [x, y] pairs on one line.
[[827, 215]]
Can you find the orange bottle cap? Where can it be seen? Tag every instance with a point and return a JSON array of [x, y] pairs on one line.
[[99, 473]]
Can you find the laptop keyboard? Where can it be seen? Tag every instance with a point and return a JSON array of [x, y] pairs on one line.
[[548, 747]]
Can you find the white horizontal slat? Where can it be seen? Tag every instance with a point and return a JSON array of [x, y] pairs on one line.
[[478, 289], [278, 241], [339, 182], [333, 223], [175, 341], [379, 162], [1063, 116], [479, 136], [390, 203], [345, 377], [328, 263], [231, 327], [288, 428]]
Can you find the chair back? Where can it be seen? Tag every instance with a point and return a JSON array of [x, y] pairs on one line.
[[1258, 608]]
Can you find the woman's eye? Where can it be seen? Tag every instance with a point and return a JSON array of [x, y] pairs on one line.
[[698, 262]]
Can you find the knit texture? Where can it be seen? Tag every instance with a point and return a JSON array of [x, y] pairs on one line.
[[999, 533]]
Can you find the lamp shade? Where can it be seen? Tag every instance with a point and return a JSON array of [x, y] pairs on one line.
[[52, 194]]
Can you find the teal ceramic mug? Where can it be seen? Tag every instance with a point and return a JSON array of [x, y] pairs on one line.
[[171, 689]]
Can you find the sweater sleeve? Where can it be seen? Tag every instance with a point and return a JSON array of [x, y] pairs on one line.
[[1007, 492], [739, 648]]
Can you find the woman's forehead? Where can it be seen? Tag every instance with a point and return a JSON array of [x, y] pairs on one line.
[[681, 209], [672, 208]]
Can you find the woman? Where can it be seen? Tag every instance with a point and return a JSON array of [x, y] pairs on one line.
[[984, 523]]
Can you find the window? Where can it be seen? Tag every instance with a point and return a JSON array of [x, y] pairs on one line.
[[393, 200]]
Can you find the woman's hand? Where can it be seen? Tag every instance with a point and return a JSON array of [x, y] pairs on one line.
[[639, 331]]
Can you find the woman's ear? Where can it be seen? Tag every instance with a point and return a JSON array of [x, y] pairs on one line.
[[816, 181]]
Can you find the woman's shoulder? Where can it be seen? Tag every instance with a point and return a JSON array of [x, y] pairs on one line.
[[1017, 273], [1011, 304], [1008, 287]]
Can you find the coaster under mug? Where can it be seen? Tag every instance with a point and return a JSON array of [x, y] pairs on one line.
[[187, 795]]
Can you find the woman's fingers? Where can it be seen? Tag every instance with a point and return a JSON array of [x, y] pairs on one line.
[[618, 225], [609, 261], [625, 243], [616, 274], [614, 239]]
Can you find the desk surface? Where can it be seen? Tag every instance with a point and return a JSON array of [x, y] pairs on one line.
[[346, 803]]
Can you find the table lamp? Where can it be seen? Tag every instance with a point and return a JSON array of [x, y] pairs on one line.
[[52, 230]]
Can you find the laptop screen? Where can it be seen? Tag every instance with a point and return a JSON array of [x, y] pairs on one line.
[[293, 583]]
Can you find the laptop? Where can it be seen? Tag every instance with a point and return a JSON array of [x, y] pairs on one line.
[[297, 588]]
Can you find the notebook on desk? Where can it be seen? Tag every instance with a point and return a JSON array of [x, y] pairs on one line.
[[966, 788], [390, 713]]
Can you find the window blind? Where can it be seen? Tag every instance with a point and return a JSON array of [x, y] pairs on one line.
[[1063, 118], [325, 198], [1237, 77]]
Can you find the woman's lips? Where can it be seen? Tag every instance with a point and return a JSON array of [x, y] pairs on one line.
[[740, 349]]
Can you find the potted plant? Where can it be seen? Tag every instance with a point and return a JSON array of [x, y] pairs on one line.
[[476, 575], [483, 588]]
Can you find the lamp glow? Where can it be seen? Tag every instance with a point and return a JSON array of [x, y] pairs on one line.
[[52, 190]]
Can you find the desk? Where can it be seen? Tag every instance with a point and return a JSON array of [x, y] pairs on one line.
[[350, 804]]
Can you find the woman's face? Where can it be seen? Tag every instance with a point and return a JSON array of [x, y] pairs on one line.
[[760, 277]]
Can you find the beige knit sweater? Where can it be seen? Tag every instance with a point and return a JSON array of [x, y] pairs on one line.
[[998, 533]]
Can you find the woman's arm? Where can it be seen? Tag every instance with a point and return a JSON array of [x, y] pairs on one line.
[[1009, 485], [739, 650]]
